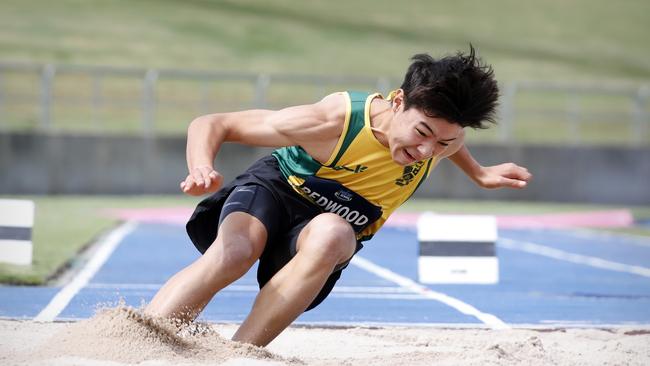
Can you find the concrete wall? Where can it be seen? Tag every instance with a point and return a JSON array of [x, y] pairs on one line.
[[588, 174], [52, 164], [45, 164]]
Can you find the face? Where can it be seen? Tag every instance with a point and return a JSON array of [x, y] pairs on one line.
[[414, 136]]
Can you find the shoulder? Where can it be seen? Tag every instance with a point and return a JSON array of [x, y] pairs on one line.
[[333, 107], [319, 133], [311, 124], [329, 116]]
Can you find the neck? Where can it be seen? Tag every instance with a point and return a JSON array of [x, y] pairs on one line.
[[381, 116]]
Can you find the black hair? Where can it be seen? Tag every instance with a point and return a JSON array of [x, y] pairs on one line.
[[460, 89]]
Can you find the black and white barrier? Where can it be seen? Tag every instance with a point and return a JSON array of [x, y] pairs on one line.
[[457, 249], [16, 222]]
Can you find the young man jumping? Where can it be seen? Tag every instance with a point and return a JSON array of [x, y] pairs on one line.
[[342, 167]]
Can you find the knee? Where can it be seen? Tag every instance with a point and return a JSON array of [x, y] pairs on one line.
[[236, 254], [329, 239]]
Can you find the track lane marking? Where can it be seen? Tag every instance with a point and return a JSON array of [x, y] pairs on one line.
[[65, 295], [351, 292], [465, 308], [621, 238], [559, 254], [251, 288]]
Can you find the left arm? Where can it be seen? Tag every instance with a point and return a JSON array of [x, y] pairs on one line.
[[498, 176]]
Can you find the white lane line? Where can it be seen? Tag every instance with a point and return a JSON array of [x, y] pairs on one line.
[[253, 288], [619, 238], [489, 319], [543, 250], [352, 292], [63, 297]]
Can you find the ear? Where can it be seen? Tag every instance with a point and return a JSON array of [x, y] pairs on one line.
[[398, 99]]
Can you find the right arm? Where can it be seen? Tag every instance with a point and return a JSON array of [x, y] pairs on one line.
[[498, 176], [316, 127]]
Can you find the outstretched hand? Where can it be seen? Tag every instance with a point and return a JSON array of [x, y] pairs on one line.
[[201, 180], [506, 175]]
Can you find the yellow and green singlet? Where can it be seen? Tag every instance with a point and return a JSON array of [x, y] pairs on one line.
[[360, 181]]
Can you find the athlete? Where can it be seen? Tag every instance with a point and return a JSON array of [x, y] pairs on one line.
[[342, 166]]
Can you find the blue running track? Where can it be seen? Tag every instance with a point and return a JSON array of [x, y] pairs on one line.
[[547, 278]]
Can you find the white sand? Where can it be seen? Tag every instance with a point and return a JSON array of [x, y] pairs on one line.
[[124, 337]]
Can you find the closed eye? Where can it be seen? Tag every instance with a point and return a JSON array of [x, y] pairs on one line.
[[421, 133]]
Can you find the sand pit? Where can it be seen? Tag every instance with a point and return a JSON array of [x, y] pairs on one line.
[[123, 336]]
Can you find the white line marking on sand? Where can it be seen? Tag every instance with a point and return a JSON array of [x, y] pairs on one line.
[[63, 297], [489, 319], [543, 250]]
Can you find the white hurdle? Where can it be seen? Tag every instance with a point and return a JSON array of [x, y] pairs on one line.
[[16, 222], [457, 249]]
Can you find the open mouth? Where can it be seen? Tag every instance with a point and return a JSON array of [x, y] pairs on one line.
[[411, 158]]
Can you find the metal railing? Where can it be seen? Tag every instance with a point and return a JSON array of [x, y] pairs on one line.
[[628, 107], [101, 99]]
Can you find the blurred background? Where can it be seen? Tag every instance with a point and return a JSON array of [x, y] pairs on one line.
[[96, 96]]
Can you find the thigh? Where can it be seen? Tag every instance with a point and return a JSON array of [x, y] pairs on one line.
[[279, 252], [255, 201], [247, 222]]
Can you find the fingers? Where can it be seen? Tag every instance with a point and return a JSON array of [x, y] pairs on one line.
[[201, 180], [216, 180], [514, 183], [515, 176], [188, 184], [521, 173], [506, 175], [504, 182], [197, 175]]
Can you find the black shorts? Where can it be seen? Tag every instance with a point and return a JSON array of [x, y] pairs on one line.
[[263, 192]]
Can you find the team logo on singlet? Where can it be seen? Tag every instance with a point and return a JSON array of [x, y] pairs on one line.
[[344, 195], [357, 169], [410, 172]]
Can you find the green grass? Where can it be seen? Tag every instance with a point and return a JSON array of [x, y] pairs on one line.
[[566, 41], [551, 39], [66, 224]]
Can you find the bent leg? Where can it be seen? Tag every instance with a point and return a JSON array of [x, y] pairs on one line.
[[326, 241], [239, 243]]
